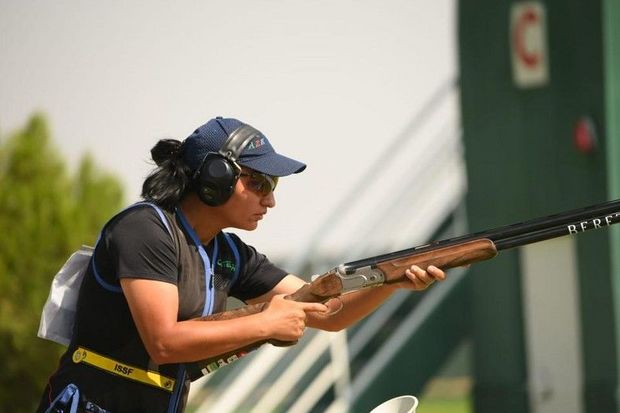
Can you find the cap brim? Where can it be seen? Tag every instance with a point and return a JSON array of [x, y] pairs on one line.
[[272, 164]]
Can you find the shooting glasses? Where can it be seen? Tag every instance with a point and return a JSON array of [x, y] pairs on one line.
[[260, 183]]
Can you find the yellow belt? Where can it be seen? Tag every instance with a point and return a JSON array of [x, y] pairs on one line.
[[82, 355]]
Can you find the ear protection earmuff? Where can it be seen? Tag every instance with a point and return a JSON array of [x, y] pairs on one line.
[[218, 173]]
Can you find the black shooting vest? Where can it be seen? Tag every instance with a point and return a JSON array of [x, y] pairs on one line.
[[120, 376]]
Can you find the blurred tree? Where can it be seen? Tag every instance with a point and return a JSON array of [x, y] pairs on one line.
[[45, 214]]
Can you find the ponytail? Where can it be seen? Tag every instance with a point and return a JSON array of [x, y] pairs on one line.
[[170, 180]]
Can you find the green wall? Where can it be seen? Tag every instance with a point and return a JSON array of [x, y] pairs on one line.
[[521, 164]]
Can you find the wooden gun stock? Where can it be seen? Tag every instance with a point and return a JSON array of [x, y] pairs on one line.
[[446, 254]]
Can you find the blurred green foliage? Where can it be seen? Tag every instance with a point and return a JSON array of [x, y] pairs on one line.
[[45, 214]]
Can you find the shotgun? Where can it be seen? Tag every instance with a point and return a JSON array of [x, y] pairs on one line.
[[445, 254]]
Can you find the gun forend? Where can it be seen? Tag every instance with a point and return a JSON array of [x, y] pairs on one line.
[[445, 257]]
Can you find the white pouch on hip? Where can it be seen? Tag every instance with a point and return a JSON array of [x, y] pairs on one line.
[[58, 313]]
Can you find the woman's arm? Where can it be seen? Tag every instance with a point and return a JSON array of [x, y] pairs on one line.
[[154, 306], [358, 304]]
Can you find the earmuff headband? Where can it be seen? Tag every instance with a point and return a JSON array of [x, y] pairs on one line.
[[237, 141]]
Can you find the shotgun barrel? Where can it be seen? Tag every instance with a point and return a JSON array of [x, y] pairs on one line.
[[515, 235]]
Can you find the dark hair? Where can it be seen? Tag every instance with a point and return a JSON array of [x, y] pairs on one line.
[[167, 184]]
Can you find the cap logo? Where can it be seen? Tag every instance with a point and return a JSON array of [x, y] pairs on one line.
[[256, 143]]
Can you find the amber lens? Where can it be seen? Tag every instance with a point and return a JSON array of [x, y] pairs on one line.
[[261, 183]]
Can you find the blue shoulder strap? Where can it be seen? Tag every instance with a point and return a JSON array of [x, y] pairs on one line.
[[235, 251], [208, 266], [100, 280]]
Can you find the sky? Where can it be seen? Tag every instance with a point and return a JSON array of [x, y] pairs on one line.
[[330, 83]]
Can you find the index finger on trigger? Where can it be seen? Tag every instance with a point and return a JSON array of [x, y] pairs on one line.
[[314, 307]]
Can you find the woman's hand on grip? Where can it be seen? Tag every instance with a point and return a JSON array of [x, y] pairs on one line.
[[286, 319]]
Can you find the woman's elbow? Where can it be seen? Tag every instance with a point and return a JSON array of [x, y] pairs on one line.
[[160, 353]]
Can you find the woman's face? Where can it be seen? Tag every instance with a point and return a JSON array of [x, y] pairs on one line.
[[252, 198]]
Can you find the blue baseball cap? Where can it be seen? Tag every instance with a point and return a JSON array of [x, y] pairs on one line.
[[258, 154]]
